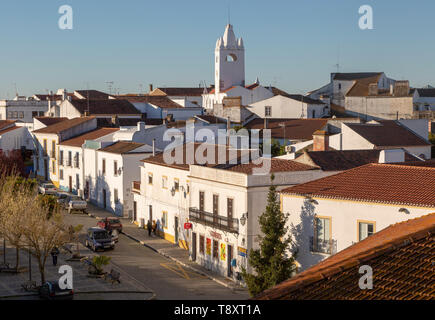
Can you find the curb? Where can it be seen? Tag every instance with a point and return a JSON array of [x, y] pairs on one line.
[[229, 286]]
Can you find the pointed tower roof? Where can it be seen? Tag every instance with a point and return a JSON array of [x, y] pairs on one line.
[[229, 37]]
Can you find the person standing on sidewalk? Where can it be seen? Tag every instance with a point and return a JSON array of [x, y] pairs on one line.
[[54, 252], [154, 227], [149, 227]]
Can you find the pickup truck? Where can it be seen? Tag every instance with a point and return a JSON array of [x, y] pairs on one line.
[[73, 203]]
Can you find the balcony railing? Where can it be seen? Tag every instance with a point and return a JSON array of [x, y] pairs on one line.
[[323, 246], [211, 220], [136, 186]]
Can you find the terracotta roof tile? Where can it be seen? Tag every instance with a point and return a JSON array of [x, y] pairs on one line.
[[160, 101], [277, 165], [48, 121], [64, 125], [338, 160], [105, 107], [402, 259], [80, 140], [159, 159], [180, 91], [387, 133], [298, 129], [6, 123], [3, 131], [382, 183], [122, 147]]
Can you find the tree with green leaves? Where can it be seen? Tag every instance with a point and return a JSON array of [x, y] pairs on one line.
[[272, 262]]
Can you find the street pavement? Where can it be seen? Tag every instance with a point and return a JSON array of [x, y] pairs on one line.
[[85, 288], [168, 279]]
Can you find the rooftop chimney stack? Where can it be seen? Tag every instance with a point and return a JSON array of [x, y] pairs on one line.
[[320, 140], [154, 147], [151, 87]]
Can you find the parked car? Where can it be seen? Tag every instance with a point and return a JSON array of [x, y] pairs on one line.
[[115, 235], [98, 238], [110, 223], [50, 290], [47, 188], [61, 197], [74, 203]]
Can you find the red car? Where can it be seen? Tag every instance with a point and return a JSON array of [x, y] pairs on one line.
[[110, 224]]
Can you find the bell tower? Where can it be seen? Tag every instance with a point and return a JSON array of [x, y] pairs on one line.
[[229, 61]]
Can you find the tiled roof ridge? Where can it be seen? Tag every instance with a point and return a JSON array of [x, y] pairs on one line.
[[360, 258], [395, 164], [355, 198]]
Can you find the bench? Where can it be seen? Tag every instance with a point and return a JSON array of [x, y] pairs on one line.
[[113, 276]]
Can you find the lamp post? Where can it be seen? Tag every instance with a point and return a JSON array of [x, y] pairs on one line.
[[30, 264]]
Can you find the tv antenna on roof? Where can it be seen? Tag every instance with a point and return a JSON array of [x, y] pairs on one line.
[[109, 86]]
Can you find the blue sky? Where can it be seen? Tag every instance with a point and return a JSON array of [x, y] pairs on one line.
[[293, 45]]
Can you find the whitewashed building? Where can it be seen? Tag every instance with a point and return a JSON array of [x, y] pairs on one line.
[[111, 171], [22, 109], [411, 135], [330, 214], [13, 137], [289, 106], [47, 139], [72, 163]]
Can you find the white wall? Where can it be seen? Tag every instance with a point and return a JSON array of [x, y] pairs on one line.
[[344, 221], [284, 107]]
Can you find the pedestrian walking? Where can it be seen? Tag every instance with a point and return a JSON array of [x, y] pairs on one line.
[[149, 227], [154, 227], [54, 252]]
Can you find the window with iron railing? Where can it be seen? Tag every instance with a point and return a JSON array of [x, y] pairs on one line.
[[323, 246], [212, 220]]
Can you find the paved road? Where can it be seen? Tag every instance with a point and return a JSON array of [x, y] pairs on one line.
[[166, 278]]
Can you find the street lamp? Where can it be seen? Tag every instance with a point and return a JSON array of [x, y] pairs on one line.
[[243, 219]]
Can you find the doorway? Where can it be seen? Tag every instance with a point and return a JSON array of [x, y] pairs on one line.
[[70, 184], [193, 246], [104, 198], [229, 260], [176, 230], [134, 211], [151, 213], [45, 170]]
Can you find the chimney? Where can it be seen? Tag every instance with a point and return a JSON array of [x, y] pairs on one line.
[[154, 147], [373, 89], [320, 140], [141, 126], [64, 94], [391, 156], [391, 89], [151, 87]]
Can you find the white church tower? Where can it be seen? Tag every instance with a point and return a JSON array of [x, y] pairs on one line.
[[229, 61]]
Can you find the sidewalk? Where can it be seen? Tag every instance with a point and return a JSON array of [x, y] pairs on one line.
[[85, 287], [165, 248]]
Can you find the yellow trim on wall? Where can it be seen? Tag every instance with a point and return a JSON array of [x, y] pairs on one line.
[[330, 225], [364, 221], [177, 180], [164, 178]]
